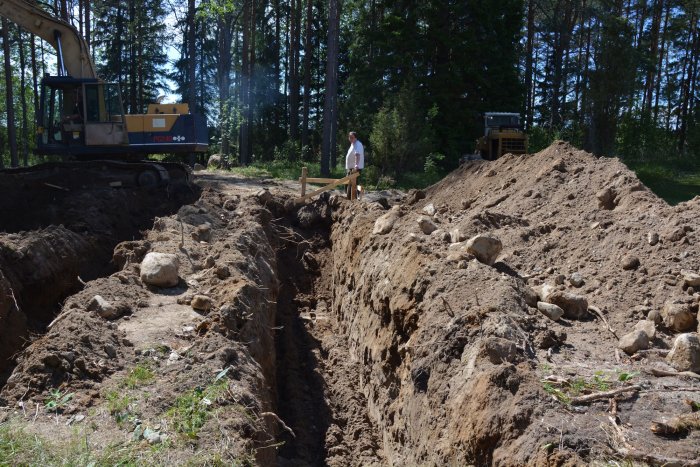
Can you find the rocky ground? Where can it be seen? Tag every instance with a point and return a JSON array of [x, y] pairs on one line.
[[535, 310]]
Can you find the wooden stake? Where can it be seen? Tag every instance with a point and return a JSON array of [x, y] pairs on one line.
[[304, 176]]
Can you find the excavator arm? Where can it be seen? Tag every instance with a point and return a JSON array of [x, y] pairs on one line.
[[73, 55]]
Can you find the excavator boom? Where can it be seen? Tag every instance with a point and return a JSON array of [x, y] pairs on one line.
[[73, 55]]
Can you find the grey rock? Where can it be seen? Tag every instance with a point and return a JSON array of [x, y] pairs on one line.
[[426, 225], [201, 303], [576, 279], [385, 222], [646, 326], [429, 209], [103, 308], [574, 306], [685, 354], [655, 317], [652, 238], [214, 161], [678, 315], [160, 269], [550, 310], [634, 341], [485, 248]]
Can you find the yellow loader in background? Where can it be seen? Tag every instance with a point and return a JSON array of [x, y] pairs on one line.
[[502, 134]]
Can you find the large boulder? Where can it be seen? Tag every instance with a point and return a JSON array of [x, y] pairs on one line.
[[574, 306], [214, 161], [685, 354], [160, 269], [485, 248], [678, 315]]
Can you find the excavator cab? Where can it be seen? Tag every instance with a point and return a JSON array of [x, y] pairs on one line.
[[80, 117]]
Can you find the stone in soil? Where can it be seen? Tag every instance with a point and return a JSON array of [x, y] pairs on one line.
[[201, 303], [426, 225], [574, 306], [550, 310], [160, 269], [485, 248], [634, 341], [685, 354], [678, 315], [385, 222], [103, 308]]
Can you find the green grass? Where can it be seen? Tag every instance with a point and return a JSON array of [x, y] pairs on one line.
[[674, 180], [121, 406], [192, 409], [19, 447], [138, 376]]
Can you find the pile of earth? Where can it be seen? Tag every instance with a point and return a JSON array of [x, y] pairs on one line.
[[485, 320]]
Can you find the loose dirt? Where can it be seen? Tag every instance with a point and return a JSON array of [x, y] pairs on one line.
[[325, 343]]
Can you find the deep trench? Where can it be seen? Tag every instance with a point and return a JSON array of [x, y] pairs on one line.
[[301, 389], [59, 229]]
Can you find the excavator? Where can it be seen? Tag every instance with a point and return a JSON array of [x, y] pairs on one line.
[[81, 118]]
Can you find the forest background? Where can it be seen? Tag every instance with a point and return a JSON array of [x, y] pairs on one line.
[[282, 81]]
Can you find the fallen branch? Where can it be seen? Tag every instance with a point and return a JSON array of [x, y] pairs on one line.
[[660, 372], [599, 313], [604, 395]]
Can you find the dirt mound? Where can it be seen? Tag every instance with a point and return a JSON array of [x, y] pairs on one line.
[[342, 333], [452, 349]]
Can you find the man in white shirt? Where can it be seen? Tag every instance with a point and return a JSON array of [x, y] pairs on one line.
[[355, 158]]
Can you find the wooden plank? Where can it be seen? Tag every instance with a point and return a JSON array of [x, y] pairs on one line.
[[330, 186], [320, 180]]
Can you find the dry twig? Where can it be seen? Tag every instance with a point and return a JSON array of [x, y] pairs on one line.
[[604, 394], [599, 313]]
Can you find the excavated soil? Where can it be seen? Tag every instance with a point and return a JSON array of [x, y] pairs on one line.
[[323, 342]]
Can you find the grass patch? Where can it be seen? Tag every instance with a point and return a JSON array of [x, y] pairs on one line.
[[19, 447], [565, 389], [138, 376], [192, 409], [675, 180], [121, 406]]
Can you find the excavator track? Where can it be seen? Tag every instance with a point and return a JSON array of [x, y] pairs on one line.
[[116, 174]]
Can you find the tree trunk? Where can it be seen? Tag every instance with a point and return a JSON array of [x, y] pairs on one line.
[[23, 97], [307, 78], [294, 40], [529, 46], [191, 56], [330, 117], [246, 77], [9, 97], [224, 36]]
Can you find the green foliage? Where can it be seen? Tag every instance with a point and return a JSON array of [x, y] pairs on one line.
[[626, 376], [57, 400], [121, 406], [192, 409], [402, 137], [138, 376]]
